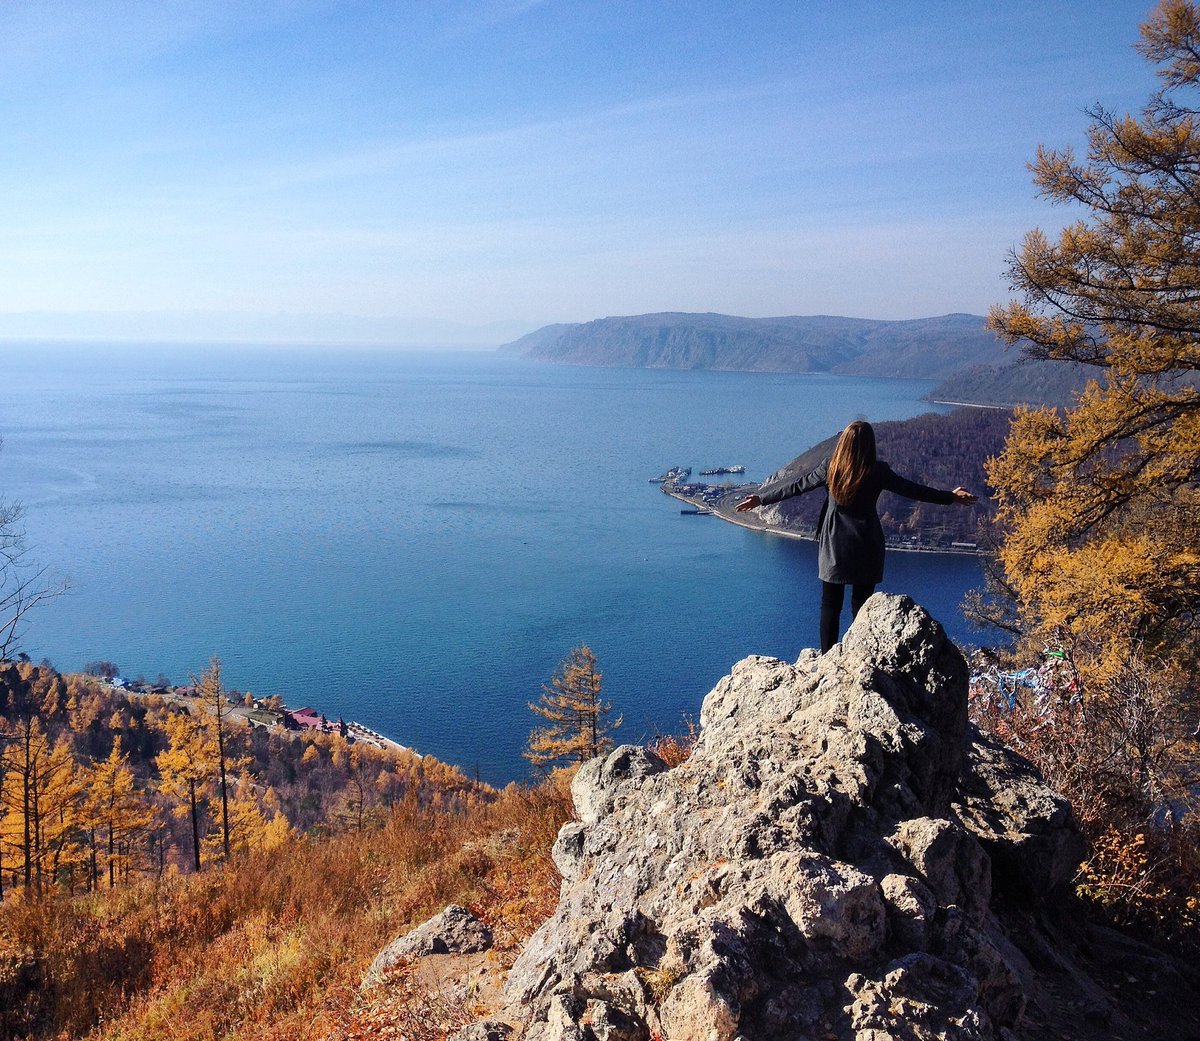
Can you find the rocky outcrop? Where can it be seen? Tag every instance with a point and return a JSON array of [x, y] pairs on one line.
[[822, 866], [455, 931]]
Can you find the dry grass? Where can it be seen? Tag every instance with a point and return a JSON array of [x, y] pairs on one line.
[[274, 945], [674, 749]]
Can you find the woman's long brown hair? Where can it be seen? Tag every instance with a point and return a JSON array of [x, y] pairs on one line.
[[852, 460]]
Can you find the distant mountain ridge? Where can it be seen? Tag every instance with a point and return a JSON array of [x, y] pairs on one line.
[[929, 348], [1022, 382]]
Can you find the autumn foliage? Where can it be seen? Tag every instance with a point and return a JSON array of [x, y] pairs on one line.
[[109, 929], [273, 946], [1121, 756], [576, 726], [1099, 502], [99, 787]]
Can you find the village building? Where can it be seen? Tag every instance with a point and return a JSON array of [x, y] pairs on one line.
[[308, 718]]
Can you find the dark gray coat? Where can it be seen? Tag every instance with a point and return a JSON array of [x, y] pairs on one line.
[[849, 538]]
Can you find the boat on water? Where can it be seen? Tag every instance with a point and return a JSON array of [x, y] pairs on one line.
[[676, 473], [696, 513], [723, 470]]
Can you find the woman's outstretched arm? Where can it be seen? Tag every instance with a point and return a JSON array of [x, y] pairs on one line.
[[785, 489], [893, 482]]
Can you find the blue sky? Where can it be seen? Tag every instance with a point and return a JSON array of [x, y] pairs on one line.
[[408, 170]]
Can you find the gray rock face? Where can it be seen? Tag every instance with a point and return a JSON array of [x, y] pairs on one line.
[[455, 931], [1024, 826], [821, 866], [485, 1030]]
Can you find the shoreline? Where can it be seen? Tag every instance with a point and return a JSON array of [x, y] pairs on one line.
[[238, 710], [374, 737], [719, 510], [971, 404]]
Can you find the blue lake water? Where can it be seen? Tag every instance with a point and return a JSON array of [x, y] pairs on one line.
[[416, 539]]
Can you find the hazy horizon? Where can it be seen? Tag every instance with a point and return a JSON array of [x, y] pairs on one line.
[[230, 327], [175, 328]]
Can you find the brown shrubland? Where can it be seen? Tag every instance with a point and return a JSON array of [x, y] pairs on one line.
[[274, 944]]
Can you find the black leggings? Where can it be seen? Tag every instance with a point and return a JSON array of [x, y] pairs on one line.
[[833, 595]]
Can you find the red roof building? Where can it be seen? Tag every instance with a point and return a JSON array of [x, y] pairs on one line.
[[310, 719]]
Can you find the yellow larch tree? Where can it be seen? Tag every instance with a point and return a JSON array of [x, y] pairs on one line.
[[24, 744], [252, 826], [116, 813], [62, 791], [40, 807], [9, 844], [213, 697], [188, 769], [577, 726], [1100, 501]]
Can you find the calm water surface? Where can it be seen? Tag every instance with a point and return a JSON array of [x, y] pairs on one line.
[[416, 539]]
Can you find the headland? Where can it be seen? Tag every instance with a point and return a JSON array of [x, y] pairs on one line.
[[721, 500]]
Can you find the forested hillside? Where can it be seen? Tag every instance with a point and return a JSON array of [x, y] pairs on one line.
[[273, 946], [923, 347], [1021, 382], [100, 787], [1030, 382], [938, 450], [322, 849]]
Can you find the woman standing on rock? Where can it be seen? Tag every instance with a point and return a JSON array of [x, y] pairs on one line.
[[849, 535]]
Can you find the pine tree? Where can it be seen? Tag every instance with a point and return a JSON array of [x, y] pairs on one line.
[[577, 728]]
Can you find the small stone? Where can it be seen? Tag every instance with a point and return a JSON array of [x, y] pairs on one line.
[[484, 1030], [455, 931]]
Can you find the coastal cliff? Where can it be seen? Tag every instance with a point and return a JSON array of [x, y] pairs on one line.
[[842, 856], [958, 350]]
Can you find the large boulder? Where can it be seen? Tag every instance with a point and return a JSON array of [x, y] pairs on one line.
[[1025, 827], [816, 868]]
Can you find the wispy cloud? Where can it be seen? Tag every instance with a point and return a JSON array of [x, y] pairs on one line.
[[489, 141], [557, 159], [35, 34]]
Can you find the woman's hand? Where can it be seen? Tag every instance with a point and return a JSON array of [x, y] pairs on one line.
[[751, 502], [964, 497]]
